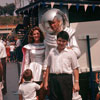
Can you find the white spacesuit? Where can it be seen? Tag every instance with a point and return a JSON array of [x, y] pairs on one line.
[[51, 35]]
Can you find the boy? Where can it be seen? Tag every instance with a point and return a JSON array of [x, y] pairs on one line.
[[61, 63], [27, 90]]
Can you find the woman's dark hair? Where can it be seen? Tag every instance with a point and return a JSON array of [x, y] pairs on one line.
[[30, 37], [27, 75], [64, 35]]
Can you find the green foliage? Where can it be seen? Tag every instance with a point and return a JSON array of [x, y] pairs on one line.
[[1, 10], [8, 9], [9, 20]]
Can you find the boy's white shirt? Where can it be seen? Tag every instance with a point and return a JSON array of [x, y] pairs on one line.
[[60, 60], [28, 90]]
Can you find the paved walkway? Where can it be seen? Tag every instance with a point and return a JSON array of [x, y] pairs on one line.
[[12, 82]]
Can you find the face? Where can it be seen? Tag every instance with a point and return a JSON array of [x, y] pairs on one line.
[[61, 44], [36, 36], [55, 25]]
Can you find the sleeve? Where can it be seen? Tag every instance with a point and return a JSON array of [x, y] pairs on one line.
[[74, 61], [73, 44], [37, 87], [47, 61], [20, 90]]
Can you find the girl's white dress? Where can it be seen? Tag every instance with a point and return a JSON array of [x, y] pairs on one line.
[[33, 58]]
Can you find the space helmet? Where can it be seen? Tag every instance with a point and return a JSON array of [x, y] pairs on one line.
[[49, 15]]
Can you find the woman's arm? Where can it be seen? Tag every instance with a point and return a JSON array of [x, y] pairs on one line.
[[46, 78]]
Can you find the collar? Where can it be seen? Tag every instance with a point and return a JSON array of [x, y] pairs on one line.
[[65, 50], [27, 81]]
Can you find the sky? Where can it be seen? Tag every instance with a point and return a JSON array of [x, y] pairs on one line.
[[3, 2]]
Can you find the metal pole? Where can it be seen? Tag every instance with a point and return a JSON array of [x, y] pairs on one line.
[[90, 66]]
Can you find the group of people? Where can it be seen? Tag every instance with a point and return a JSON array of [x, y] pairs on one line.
[[50, 63], [53, 64], [12, 49], [12, 44], [4, 58]]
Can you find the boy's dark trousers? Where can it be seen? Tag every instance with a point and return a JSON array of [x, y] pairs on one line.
[[60, 86]]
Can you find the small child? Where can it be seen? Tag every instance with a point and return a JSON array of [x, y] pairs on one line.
[[27, 90], [1, 85]]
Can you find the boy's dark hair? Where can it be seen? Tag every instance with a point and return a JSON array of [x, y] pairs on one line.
[[64, 35], [27, 75]]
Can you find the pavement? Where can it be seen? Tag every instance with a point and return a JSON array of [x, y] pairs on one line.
[[12, 82]]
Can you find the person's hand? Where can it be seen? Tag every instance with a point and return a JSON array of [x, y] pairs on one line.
[[97, 80], [76, 87]]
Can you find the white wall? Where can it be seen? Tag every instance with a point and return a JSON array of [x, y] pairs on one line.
[[93, 30]]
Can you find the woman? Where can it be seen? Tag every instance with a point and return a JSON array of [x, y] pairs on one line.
[[33, 54]]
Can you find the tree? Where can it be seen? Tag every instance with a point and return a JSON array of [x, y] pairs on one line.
[[1, 9], [10, 8], [4, 10]]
